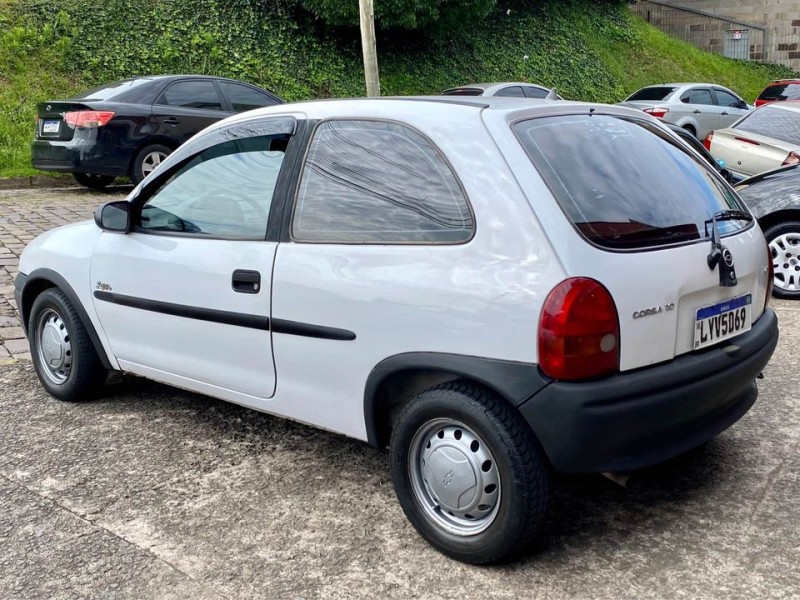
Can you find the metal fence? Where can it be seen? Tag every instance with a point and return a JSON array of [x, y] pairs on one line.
[[731, 38]]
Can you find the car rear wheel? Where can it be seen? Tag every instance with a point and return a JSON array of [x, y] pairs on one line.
[[147, 160], [784, 245], [63, 356], [468, 473], [691, 130], [92, 181]]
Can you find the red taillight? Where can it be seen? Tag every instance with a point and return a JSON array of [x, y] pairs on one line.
[[707, 141], [579, 331], [88, 118], [792, 159], [656, 112], [770, 276]]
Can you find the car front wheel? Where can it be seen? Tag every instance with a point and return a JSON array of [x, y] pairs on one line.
[[63, 356], [468, 473], [784, 245]]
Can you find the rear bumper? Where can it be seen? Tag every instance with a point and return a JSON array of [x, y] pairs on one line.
[[640, 418], [77, 156]]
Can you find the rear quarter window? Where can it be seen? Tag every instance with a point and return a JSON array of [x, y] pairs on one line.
[[622, 185]]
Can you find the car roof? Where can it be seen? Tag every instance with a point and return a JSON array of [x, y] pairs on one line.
[[486, 86], [790, 105], [680, 84]]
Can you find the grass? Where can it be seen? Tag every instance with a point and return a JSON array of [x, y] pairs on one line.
[[587, 50]]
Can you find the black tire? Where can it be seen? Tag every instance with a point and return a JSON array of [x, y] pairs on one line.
[[691, 129], [784, 244], [92, 181], [142, 162], [522, 472], [83, 374]]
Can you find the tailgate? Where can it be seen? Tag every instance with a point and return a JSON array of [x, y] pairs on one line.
[[746, 152]]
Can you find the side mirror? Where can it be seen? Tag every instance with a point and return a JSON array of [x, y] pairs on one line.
[[743, 105], [114, 216]]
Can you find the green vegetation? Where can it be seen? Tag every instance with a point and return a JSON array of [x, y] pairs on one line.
[[588, 50]]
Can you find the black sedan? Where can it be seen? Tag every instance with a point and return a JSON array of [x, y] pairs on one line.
[[126, 128], [774, 199]]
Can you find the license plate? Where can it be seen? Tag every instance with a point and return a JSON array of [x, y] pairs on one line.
[[51, 126], [722, 321]]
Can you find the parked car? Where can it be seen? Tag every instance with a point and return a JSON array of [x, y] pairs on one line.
[[764, 140], [780, 90], [774, 198], [511, 89], [697, 107], [126, 128], [434, 275]]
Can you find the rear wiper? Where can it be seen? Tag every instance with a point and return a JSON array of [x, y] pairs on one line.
[[719, 254]]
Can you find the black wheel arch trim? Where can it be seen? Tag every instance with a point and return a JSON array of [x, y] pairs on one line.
[[23, 285], [514, 381]]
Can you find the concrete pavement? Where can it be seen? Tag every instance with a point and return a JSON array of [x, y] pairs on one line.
[[152, 492]]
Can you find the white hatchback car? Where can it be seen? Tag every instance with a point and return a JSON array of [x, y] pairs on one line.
[[490, 287]]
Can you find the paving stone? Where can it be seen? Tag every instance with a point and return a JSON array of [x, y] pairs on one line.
[[9, 322], [17, 346], [11, 333], [4, 353]]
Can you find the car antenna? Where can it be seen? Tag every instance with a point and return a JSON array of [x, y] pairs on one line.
[[551, 95]]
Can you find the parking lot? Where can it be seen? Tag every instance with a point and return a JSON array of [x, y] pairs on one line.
[[152, 492]]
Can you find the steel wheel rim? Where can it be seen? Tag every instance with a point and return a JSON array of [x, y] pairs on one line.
[[151, 161], [454, 477], [785, 250], [53, 346]]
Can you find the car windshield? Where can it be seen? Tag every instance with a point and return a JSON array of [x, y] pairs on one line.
[[463, 92], [651, 93], [774, 122], [622, 185], [108, 91], [782, 91]]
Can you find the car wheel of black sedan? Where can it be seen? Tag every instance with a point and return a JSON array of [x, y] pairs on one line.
[[147, 160], [92, 181], [784, 244]]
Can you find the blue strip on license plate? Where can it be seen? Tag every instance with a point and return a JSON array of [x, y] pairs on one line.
[[718, 309]]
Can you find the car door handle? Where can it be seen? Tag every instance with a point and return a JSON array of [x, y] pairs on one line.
[[724, 114], [246, 282], [172, 121], [697, 112]]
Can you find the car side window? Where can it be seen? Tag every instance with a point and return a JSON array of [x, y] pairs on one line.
[[376, 182], [726, 98], [192, 94], [697, 96], [533, 92], [243, 97], [224, 191], [512, 91]]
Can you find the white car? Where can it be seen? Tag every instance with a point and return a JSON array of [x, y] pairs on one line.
[[766, 139], [491, 288]]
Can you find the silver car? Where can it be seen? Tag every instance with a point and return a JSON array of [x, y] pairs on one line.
[[697, 107], [511, 89]]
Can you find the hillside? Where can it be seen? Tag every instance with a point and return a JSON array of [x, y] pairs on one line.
[[588, 50]]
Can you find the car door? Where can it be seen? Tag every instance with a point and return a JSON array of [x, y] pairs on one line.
[[187, 106], [730, 107], [242, 97], [700, 109], [185, 296]]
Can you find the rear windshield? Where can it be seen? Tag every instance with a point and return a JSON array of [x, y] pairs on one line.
[[782, 91], [108, 91], [463, 92], [651, 93], [774, 122], [624, 186]]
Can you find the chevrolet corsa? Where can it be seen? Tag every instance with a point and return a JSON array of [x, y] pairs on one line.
[[458, 279]]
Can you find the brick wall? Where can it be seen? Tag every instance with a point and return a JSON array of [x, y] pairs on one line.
[[781, 18]]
